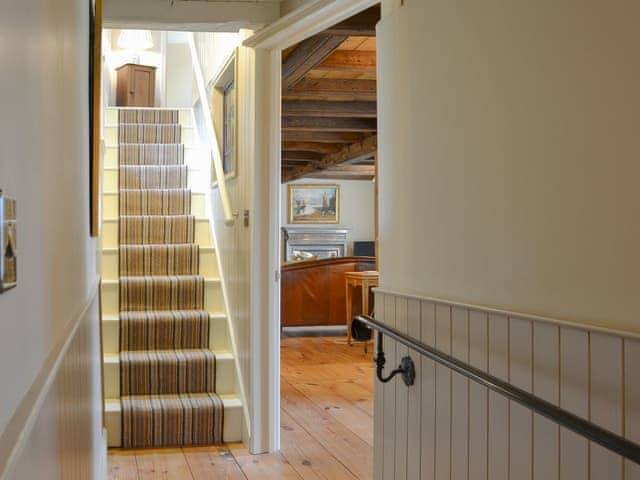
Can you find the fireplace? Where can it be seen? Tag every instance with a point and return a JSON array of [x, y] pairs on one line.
[[320, 242]]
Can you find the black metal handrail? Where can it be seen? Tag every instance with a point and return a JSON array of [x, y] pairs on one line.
[[591, 431]]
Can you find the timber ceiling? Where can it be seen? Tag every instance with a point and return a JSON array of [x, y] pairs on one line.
[[329, 114]]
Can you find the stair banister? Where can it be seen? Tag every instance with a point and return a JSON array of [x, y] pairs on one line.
[[229, 217]]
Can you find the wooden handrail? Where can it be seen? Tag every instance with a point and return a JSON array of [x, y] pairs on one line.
[[229, 217]]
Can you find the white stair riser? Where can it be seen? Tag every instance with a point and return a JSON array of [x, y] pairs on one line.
[[110, 180], [208, 264], [218, 335], [225, 375], [110, 233], [111, 304], [232, 429], [111, 116], [187, 136], [110, 205]]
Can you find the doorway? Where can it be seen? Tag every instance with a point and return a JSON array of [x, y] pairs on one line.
[[327, 137]]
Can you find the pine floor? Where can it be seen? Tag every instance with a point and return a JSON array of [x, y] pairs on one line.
[[327, 426]]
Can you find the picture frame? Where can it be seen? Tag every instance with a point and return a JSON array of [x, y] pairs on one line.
[[314, 204], [95, 96], [224, 108]]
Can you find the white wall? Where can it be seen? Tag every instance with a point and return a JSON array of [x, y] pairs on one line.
[[44, 164], [508, 145], [356, 207], [508, 159], [179, 73], [234, 243]]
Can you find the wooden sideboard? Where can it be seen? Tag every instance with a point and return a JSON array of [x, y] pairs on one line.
[[313, 292]]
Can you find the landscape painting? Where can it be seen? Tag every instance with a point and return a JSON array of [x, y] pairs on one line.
[[314, 203]]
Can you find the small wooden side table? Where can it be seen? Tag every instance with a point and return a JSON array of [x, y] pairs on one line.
[[366, 281]]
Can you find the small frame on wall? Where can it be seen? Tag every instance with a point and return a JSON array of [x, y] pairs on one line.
[[224, 102], [8, 253], [314, 203]]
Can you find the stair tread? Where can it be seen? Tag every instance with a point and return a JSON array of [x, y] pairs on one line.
[[115, 219], [116, 318], [228, 400], [115, 249], [207, 280], [114, 358]]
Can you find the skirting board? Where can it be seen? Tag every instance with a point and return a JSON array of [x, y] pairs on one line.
[[318, 331]]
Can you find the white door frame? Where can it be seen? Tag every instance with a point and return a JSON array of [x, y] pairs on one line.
[[267, 45]]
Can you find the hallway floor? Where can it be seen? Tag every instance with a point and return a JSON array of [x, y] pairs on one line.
[[327, 426]]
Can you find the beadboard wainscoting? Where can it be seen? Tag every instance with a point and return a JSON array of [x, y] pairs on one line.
[[57, 430], [448, 427]]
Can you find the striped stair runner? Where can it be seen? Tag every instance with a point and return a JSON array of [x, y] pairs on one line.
[[167, 372]]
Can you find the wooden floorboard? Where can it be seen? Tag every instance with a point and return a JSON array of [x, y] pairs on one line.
[[327, 426]]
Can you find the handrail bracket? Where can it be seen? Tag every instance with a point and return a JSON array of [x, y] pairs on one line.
[[407, 369]]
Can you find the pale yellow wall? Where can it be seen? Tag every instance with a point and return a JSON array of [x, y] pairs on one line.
[[44, 164], [509, 155]]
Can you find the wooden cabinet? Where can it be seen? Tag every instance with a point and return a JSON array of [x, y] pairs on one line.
[[313, 292], [136, 86]]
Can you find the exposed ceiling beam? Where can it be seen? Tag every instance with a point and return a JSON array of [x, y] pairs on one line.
[[302, 156], [293, 162], [333, 89], [324, 124], [363, 149], [311, 147], [349, 60], [219, 16], [291, 108], [306, 55], [321, 137], [349, 172], [362, 24]]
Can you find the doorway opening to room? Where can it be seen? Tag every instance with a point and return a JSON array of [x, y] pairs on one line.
[[328, 223]]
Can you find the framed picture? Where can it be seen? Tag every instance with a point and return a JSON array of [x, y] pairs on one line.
[[224, 100], [314, 203], [95, 76]]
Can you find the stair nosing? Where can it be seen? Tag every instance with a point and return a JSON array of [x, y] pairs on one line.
[[116, 282], [114, 358], [115, 249], [228, 401], [116, 318]]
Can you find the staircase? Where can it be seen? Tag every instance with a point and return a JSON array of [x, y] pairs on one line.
[[169, 376]]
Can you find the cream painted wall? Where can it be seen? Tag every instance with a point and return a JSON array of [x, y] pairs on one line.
[[234, 243], [509, 155], [179, 78], [356, 207], [44, 164]]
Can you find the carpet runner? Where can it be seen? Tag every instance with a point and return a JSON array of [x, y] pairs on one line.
[[167, 372]]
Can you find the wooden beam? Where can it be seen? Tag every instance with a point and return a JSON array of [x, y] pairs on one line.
[[303, 156], [317, 147], [189, 16], [363, 149], [306, 55], [324, 124], [333, 89], [351, 172], [295, 108], [321, 137], [361, 25], [349, 60], [294, 162]]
